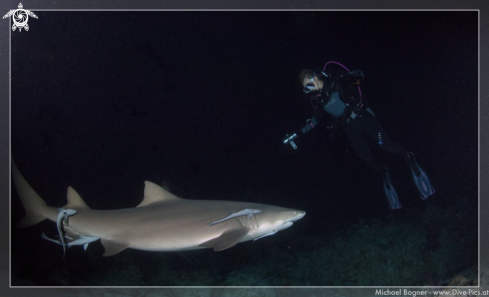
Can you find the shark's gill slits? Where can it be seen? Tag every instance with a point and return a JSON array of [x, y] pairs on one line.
[[256, 221], [250, 223]]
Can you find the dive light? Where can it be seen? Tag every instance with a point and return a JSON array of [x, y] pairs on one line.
[[290, 139]]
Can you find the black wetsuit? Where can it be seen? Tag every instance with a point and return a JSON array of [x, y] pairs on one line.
[[340, 99]]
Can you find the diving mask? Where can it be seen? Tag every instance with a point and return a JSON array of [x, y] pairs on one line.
[[309, 87]]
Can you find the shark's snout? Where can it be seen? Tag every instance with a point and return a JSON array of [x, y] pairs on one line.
[[299, 214]]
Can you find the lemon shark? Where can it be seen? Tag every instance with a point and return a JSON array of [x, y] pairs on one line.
[[161, 222]]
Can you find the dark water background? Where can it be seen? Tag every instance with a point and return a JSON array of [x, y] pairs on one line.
[[201, 101]]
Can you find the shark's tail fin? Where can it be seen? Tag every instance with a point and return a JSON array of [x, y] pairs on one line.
[[36, 210]]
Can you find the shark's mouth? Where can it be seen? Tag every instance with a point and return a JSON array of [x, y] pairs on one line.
[[284, 226]]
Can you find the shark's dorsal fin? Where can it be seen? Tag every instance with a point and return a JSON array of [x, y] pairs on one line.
[[154, 193], [75, 201]]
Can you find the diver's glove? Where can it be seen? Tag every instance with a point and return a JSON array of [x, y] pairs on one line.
[[289, 138]]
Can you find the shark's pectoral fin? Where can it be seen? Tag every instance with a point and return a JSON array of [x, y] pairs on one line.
[[112, 248], [226, 240]]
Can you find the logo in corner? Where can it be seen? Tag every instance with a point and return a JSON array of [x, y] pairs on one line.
[[20, 17]]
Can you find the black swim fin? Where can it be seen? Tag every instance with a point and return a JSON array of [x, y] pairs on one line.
[[421, 180], [390, 192]]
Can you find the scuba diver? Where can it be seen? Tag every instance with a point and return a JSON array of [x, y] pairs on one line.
[[338, 94]]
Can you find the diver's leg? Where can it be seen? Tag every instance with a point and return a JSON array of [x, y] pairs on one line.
[[362, 149], [375, 132], [360, 145]]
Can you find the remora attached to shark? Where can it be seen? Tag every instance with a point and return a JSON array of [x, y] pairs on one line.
[[161, 222]]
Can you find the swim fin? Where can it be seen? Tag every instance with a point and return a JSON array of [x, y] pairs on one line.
[[420, 177], [390, 192]]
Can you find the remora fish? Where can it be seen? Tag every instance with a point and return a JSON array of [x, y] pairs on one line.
[[161, 222], [80, 241], [63, 216]]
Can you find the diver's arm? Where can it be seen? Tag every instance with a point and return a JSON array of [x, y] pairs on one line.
[[310, 124]]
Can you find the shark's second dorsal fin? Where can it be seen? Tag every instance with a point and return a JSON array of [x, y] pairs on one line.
[[154, 193], [75, 201]]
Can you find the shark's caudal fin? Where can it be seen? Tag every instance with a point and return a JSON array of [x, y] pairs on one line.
[[36, 210]]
